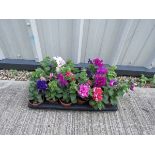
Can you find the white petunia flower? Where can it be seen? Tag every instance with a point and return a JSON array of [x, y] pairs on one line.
[[60, 63]]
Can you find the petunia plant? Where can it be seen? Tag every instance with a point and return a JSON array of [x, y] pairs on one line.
[[54, 92], [61, 81], [97, 98], [48, 65], [106, 89], [69, 93], [34, 94], [82, 77]]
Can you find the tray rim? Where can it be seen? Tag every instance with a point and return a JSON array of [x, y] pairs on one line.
[[74, 107]]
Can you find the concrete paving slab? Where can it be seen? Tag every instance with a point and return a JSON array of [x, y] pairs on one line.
[[136, 115]]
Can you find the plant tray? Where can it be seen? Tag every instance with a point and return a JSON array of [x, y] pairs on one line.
[[75, 107]]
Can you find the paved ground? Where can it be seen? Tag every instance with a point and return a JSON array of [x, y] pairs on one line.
[[136, 115]]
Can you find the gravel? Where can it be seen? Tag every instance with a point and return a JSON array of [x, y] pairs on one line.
[[25, 76], [14, 75]]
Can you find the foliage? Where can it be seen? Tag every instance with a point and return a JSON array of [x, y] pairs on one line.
[[69, 94], [111, 72], [65, 69], [69, 67], [48, 65], [37, 74], [82, 76], [143, 80], [92, 68], [97, 98], [152, 80], [112, 89], [14, 72], [54, 92], [97, 105], [70, 64], [33, 93]]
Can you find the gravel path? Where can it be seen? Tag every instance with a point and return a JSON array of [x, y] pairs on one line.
[[136, 115]]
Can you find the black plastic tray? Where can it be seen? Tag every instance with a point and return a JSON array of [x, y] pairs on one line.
[[77, 107]]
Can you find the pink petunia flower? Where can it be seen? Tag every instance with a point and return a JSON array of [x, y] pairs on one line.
[[51, 75], [84, 90]]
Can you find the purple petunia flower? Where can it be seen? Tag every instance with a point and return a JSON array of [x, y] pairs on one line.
[[98, 62], [132, 86], [41, 85], [113, 82], [100, 80], [62, 81], [90, 61], [89, 73], [102, 70]]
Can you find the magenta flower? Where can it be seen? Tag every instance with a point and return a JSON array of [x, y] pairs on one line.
[[113, 82], [102, 70], [84, 90], [98, 62], [100, 80], [62, 81]]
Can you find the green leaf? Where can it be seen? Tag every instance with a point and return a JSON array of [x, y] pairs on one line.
[[65, 95], [92, 68], [72, 91], [105, 90], [39, 99], [111, 92], [73, 98], [114, 101], [105, 99], [95, 107], [91, 102], [74, 101], [90, 92], [31, 89], [59, 95], [120, 93], [47, 68], [100, 105], [31, 97]]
